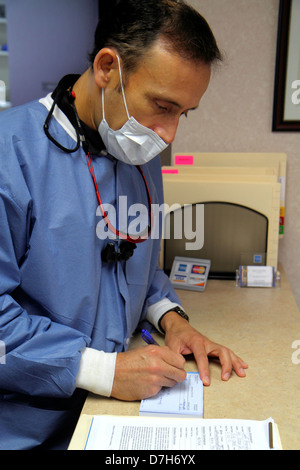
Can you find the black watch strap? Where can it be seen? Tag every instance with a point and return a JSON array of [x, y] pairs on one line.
[[178, 310]]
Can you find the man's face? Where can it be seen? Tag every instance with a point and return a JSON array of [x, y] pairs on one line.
[[163, 88]]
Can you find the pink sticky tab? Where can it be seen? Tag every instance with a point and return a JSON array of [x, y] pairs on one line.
[[169, 172], [184, 159]]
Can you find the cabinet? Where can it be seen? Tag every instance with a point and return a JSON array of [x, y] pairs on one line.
[[4, 58]]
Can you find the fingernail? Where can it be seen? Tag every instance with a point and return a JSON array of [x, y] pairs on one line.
[[226, 376], [206, 381]]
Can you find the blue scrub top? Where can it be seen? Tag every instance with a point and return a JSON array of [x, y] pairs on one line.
[[56, 295]]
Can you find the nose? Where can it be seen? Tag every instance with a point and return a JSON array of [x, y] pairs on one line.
[[167, 132]]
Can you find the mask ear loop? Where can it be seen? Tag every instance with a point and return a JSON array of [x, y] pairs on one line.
[[122, 87], [103, 111], [123, 93]]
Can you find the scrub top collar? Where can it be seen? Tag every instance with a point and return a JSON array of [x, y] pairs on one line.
[[96, 145]]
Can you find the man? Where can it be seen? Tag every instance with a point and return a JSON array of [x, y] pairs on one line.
[[71, 296]]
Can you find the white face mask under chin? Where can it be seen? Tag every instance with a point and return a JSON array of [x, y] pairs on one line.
[[134, 143]]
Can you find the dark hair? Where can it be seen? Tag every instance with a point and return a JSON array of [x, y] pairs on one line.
[[132, 26]]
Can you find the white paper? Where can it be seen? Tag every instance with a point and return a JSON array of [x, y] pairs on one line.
[[144, 433], [184, 399], [260, 276]]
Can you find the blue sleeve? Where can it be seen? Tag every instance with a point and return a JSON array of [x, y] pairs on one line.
[[161, 288], [42, 357]]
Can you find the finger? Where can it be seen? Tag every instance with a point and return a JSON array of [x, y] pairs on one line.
[[168, 365], [225, 361], [229, 361], [198, 349], [169, 383], [175, 372], [172, 358], [173, 375], [203, 366], [239, 367]]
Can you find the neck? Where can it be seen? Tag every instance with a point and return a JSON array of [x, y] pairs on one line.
[[87, 94]]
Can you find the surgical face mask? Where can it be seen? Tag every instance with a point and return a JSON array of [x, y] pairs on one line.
[[134, 143]]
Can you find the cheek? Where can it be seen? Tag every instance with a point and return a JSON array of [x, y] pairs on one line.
[[115, 111], [143, 115]]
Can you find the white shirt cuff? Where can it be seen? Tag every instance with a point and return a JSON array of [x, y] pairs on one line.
[[156, 311], [96, 372]]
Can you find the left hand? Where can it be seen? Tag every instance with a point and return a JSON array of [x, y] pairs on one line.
[[182, 338]]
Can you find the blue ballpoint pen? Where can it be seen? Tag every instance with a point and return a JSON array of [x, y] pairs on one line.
[[148, 338]]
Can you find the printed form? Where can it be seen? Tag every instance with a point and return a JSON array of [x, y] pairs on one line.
[[147, 433]]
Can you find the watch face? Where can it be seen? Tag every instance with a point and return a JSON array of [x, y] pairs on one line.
[[181, 313]]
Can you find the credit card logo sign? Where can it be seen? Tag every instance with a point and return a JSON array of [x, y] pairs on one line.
[[257, 259], [178, 278], [196, 269], [182, 268]]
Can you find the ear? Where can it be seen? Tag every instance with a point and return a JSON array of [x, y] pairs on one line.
[[105, 65]]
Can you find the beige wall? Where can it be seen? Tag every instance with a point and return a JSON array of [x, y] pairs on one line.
[[236, 113]]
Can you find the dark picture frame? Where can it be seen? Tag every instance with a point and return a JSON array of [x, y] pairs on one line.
[[286, 114]]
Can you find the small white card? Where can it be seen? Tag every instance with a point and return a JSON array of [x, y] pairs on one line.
[[184, 399], [257, 276]]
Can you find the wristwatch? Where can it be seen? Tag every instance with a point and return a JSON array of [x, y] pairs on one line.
[[178, 310]]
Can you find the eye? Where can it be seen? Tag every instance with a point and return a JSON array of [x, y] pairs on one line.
[[161, 108], [162, 105]]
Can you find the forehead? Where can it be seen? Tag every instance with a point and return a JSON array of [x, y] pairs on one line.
[[166, 75]]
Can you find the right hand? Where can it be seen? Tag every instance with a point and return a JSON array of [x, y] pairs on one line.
[[142, 372]]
